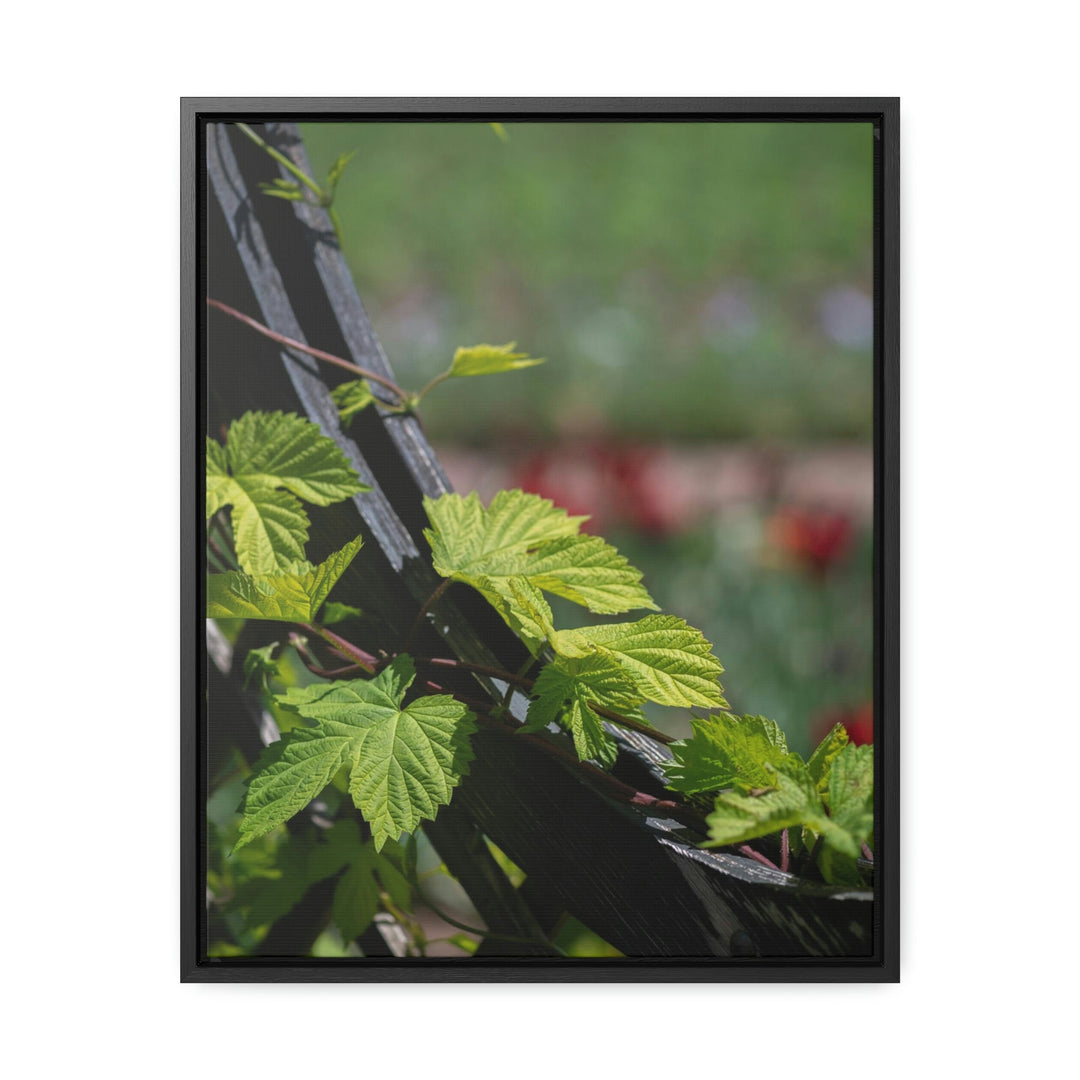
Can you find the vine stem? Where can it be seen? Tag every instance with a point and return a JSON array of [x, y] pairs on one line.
[[428, 603], [750, 853], [480, 669], [312, 664], [325, 198], [319, 354], [620, 791], [281, 159], [527, 683], [212, 545], [362, 659], [426, 901], [632, 724], [431, 385]]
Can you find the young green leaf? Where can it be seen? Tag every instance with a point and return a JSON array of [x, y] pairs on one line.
[[276, 891], [672, 663], [464, 943], [336, 848], [282, 189], [334, 613], [293, 594], [351, 398], [566, 691], [338, 169], [851, 793], [490, 360], [792, 801], [821, 760], [356, 898], [404, 762], [393, 880], [264, 453], [522, 544], [789, 801], [724, 751], [300, 862], [523, 607], [464, 537], [217, 473], [260, 663]]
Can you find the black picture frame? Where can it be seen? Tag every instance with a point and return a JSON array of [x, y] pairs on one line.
[[883, 965]]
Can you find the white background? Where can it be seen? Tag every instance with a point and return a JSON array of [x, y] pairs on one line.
[[90, 359]]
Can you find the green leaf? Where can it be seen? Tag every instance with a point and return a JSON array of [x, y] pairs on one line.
[[725, 750], [260, 662], [565, 693], [282, 450], [523, 607], [404, 762], [356, 898], [410, 765], [299, 862], [334, 613], [587, 570], [821, 760], [465, 944], [270, 528], [790, 801], [288, 775], [490, 360], [351, 398], [292, 595], [465, 537], [263, 453], [671, 662], [269, 896], [522, 544], [335, 849], [217, 474], [394, 882], [851, 794], [281, 188], [338, 168]]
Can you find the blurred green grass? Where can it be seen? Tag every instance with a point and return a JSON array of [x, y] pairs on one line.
[[678, 277]]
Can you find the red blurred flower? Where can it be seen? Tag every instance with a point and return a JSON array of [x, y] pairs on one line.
[[859, 723], [614, 483], [815, 539]]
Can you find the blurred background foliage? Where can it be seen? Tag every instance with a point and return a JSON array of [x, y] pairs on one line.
[[701, 281], [703, 295]]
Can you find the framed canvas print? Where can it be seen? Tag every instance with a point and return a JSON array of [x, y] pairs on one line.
[[540, 524]]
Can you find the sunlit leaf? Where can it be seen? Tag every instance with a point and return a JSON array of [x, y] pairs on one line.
[[293, 594], [403, 761], [490, 360], [263, 454], [351, 398], [725, 750]]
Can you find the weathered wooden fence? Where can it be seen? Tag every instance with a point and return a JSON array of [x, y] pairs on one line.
[[632, 875]]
